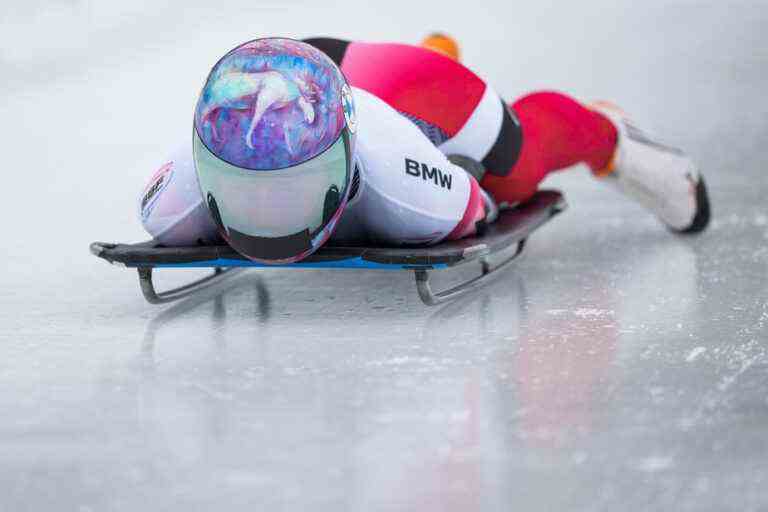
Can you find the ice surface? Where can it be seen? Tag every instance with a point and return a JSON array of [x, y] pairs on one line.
[[617, 367]]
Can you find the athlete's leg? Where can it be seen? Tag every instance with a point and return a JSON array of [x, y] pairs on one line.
[[558, 132], [457, 110], [463, 115], [519, 146]]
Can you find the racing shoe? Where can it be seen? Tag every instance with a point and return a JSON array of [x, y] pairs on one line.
[[442, 43], [661, 178]]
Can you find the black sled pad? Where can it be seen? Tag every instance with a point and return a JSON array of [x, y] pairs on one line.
[[511, 229]]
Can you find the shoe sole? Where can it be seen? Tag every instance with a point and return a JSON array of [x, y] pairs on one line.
[[703, 211]]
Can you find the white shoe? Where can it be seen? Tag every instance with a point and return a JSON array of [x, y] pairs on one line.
[[663, 179]]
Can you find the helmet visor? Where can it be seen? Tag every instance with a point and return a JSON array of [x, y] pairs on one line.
[[276, 216]]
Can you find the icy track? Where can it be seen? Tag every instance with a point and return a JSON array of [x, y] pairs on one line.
[[616, 367]]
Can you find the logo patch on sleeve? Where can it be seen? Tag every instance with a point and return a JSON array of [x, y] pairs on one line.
[[157, 184]]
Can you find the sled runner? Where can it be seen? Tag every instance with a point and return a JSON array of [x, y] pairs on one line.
[[510, 230]]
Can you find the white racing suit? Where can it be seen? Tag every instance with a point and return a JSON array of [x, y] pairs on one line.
[[405, 190]]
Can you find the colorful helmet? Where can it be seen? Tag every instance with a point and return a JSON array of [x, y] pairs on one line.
[[273, 147]]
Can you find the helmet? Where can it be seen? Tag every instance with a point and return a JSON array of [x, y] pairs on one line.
[[273, 144]]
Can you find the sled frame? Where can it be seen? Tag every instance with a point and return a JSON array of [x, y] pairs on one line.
[[511, 231], [147, 285], [432, 298], [423, 286]]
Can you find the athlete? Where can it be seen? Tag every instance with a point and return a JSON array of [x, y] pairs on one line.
[[295, 142]]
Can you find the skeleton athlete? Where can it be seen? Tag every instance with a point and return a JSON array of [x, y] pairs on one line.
[[430, 148]]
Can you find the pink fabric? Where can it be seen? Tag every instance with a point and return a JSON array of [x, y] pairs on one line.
[[416, 81], [474, 213]]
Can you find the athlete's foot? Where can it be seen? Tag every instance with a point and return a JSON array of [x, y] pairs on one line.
[[661, 178], [442, 43]]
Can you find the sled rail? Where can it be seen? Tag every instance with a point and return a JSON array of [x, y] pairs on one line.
[[431, 298]]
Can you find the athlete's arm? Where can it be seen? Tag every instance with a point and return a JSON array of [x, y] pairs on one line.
[[171, 207], [409, 192]]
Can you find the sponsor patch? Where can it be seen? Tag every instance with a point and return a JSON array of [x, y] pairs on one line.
[[349, 108], [157, 184], [428, 173]]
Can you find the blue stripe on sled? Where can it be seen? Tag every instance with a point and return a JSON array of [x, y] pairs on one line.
[[356, 262]]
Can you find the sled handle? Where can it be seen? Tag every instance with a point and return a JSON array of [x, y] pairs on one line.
[[431, 298], [155, 297]]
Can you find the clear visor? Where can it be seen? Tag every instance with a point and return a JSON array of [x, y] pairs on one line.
[[277, 216]]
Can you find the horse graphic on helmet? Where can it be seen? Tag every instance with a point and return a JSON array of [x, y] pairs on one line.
[[262, 91]]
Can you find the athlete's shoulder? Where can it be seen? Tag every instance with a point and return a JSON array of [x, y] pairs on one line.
[[379, 122], [365, 100]]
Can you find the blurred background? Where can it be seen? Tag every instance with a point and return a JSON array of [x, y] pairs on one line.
[[616, 366]]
